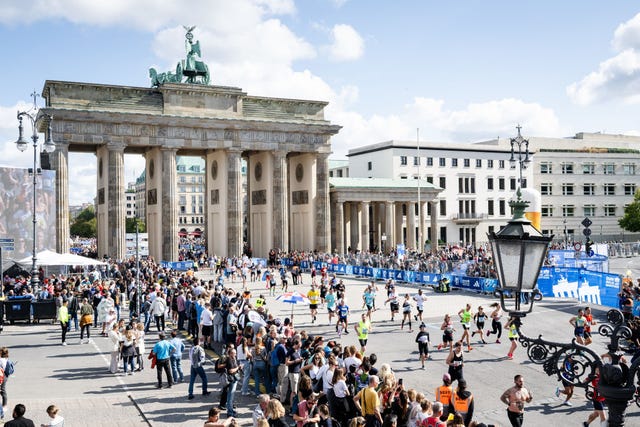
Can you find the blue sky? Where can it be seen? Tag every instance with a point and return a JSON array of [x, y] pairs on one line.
[[460, 71]]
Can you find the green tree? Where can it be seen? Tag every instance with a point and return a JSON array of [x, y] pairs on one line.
[[130, 225], [631, 219], [84, 225]]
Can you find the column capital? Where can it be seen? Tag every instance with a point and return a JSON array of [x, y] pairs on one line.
[[115, 146]]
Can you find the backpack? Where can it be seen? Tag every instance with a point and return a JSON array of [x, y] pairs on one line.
[[220, 365], [9, 368], [1, 376]]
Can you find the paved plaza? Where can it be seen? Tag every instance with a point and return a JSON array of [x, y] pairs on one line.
[[76, 377]]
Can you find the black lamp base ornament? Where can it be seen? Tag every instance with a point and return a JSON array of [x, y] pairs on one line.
[[579, 365]]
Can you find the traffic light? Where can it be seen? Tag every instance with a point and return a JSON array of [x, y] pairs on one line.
[[587, 247]]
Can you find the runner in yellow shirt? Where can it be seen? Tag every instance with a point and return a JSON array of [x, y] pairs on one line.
[[314, 300]]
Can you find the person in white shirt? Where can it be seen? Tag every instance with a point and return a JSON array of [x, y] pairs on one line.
[[158, 308], [206, 324], [420, 299]]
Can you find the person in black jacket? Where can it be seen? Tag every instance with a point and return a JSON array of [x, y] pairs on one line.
[[462, 402]]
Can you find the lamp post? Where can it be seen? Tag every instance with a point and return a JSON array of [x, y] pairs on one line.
[[522, 156], [566, 236], [34, 116], [519, 250]]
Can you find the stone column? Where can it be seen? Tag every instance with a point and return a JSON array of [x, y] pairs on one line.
[[116, 209], [323, 226], [347, 225], [399, 238], [280, 201], [60, 163], [364, 226], [411, 225], [421, 228], [169, 205], [389, 226], [434, 226], [339, 227], [234, 202]]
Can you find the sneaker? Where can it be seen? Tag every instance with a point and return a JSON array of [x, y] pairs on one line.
[[488, 332], [158, 385], [585, 424], [206, 393], [64, 343], [473, 334], [497, 341], [557, 391], [567, 403], [439, 346], [510, 356], [246, 394], [484, 342], [415, 317], [470, 348], [190, 397]]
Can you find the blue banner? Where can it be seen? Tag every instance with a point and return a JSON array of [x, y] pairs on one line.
[[178, 266]]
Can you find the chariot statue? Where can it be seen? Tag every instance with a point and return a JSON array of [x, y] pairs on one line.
[[190, 70]]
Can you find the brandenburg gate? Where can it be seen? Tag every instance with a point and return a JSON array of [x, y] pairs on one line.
[[285, 142]]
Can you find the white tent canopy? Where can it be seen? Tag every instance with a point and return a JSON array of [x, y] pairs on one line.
[[46, 258]]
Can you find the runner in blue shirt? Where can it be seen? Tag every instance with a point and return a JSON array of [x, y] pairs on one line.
[[343, 312], [330, 299]]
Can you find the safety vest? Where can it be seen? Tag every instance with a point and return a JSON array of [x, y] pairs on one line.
[[259, 302], [443, 394], [461, 405]]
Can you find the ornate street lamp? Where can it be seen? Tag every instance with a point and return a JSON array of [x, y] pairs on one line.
[[519, 251], [34, 116], [523, 157]]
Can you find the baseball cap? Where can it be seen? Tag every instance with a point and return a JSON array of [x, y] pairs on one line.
[[422, 325], [446, 377]]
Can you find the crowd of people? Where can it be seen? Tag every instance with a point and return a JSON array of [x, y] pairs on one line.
[[320, 383]]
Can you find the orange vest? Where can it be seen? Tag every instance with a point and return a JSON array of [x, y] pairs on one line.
[[443, 394], [461, 405]]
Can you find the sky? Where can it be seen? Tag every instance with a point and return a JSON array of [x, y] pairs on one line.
[[462, 71]]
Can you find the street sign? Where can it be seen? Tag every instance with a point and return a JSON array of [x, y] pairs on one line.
[[577, 246], [8, 248], [7, 242], [586, 222], [586, 232]]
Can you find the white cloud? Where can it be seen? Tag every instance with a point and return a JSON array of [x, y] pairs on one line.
[[627, 35], [346, 44], [617, 77], [476, 121], [148, 15]]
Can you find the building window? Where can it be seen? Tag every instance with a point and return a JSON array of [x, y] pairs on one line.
[[489, 183], [500, 183], [609, 189], [430, 179], [568, 210], [467, 185], [609, 168], [339, 171], [182, 201], [490, 207], [589, 210], [454, 163], [629, 189], [567, 168], [443, 182], [589, 189], [588, 169], [429, 161], [629, 169], [442, 161], [369, 166], [501, 164], [183, 179], [443, 207], [183, 209], [416, 161], [478, 163], [609, 210], [545, 168], [546, 189], [567, 189], [502, 206], [330, 174], [403, 160], [403, 176], [512, 183], [546, 211], [489, 164], [466, 163]]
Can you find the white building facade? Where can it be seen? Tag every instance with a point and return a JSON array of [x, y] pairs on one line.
[[477, 182]]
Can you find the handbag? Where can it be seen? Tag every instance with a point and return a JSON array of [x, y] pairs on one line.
[[318, 385], [224, 380]]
